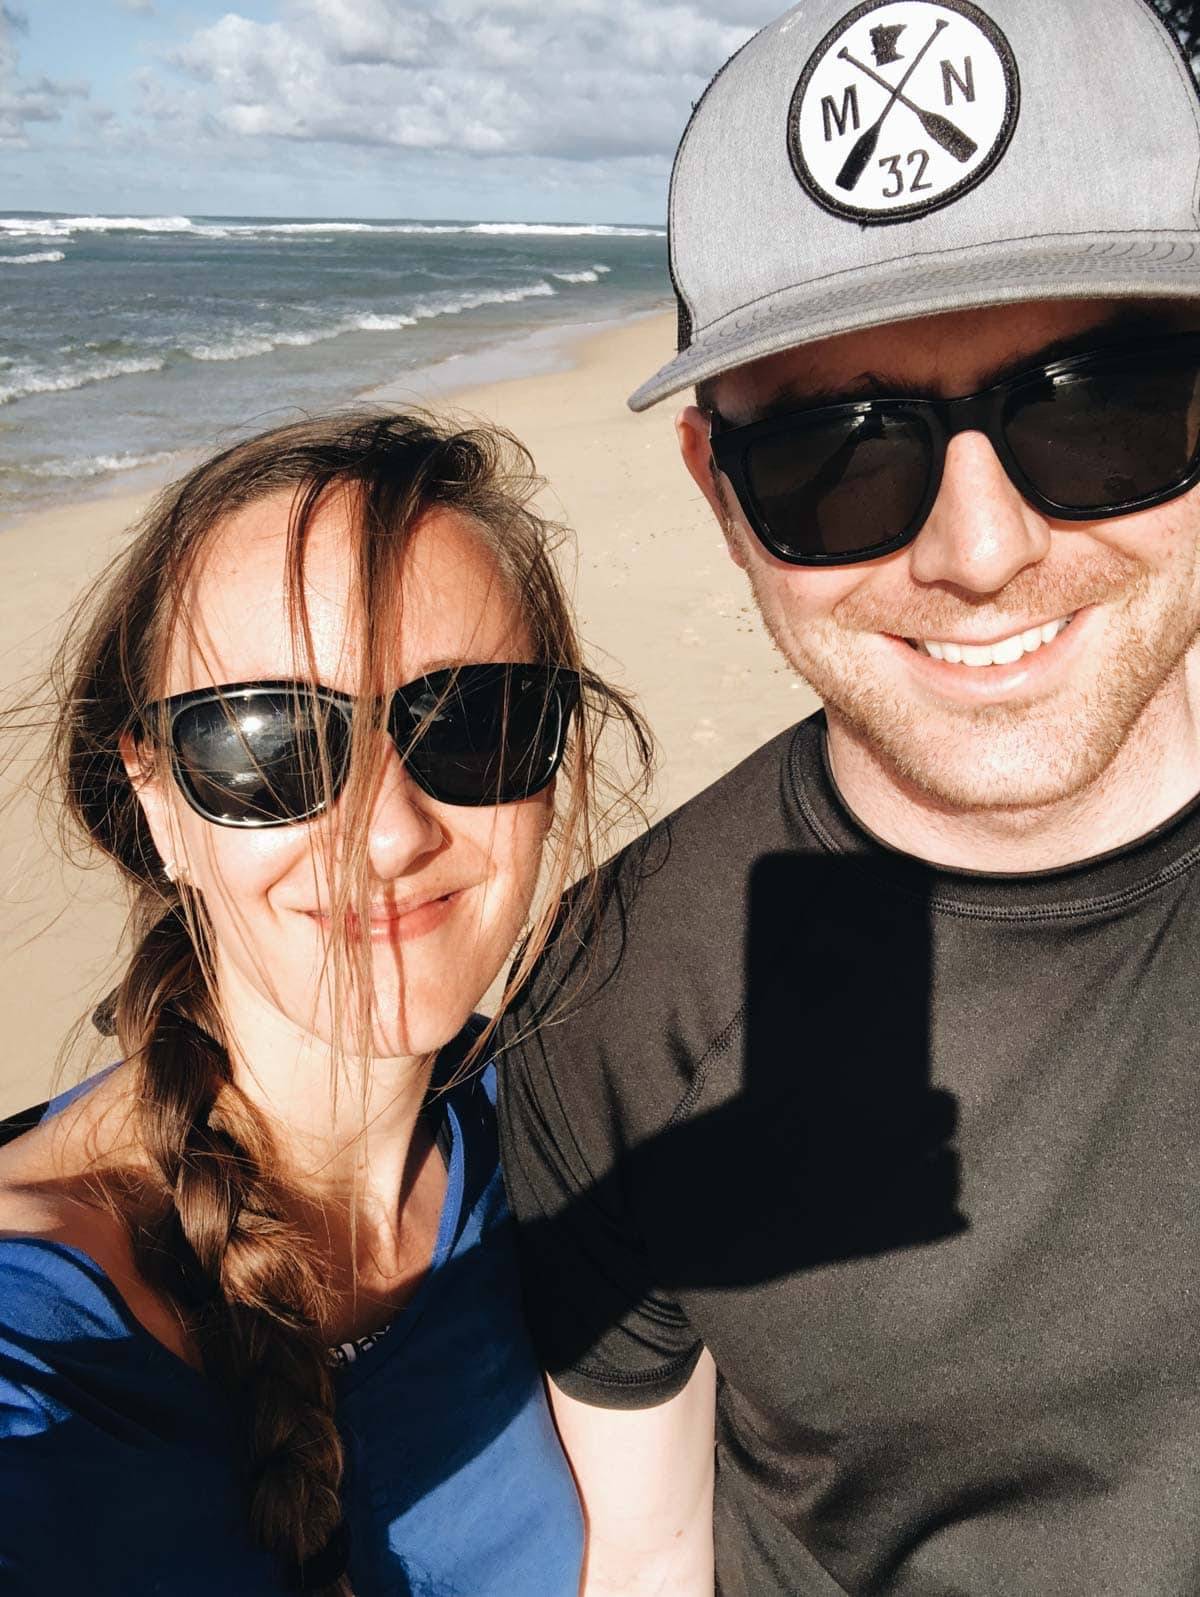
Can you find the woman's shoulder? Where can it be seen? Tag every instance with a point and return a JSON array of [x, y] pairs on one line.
[[65, 1250], [67, 1272], [69, 1330], [48, 1227]]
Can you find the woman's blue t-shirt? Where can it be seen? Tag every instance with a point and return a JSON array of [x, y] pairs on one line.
[[118, 1470]]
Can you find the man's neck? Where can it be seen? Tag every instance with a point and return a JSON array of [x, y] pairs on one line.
[[1155, 773]]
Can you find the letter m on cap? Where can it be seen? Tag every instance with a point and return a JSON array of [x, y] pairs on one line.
[[841, 117]]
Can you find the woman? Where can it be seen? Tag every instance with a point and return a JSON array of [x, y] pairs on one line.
[[258, 1323]]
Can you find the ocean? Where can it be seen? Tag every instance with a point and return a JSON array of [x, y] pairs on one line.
[[129, 341]]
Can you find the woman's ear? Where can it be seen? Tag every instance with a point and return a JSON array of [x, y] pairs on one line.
[[157, 805], [548, 813]]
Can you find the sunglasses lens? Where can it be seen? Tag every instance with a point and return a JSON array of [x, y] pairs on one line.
[[841, 486], [262, 759], [485, 734], [1114, 432]]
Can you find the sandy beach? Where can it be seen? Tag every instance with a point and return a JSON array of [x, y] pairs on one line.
[[665, 613]]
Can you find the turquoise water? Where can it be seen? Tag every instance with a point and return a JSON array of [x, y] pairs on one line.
[[127, 340]]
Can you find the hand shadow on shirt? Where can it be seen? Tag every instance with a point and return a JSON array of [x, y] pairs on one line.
[[836, 1146], [812, 1134]]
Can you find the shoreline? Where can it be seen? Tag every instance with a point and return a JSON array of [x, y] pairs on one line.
[[534, 352], [663, 610], [537, 353]]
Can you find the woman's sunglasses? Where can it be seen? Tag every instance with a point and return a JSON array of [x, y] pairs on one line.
[[274, 753], [1102, 434]]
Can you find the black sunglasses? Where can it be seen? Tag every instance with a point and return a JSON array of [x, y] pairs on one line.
[[1101, 434], [274, 753]]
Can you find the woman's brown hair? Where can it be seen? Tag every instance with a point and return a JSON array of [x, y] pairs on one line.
[[213, 1232]]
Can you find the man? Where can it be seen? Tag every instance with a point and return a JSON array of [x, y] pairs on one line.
[[865, 1115]]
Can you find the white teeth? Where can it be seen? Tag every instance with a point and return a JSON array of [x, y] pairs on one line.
[[1007, 652], [1010, 651]]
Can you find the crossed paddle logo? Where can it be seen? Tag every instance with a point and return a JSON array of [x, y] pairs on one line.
[[920, 127], [939, 128]]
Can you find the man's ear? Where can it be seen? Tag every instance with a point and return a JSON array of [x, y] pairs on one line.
[[145, 780], [692, 430]]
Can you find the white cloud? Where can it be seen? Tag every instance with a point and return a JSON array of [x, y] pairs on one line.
[[580, 80], [26, 101]]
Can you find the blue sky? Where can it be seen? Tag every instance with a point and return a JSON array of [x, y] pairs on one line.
[[538, 110]]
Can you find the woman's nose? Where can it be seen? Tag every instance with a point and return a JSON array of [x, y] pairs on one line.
[[404, 827]]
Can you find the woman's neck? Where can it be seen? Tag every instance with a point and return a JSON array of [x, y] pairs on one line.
[[343, 1136], [353, 1150]]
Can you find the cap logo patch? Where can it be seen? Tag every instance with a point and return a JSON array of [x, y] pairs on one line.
[[904, 107]]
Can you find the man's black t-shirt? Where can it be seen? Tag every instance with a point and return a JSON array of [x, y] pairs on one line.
[[916, 1154]]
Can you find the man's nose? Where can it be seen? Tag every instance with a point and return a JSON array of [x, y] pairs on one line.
[[404, 828], [980, 532]]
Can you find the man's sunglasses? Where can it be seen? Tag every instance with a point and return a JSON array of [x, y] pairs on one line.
[[273, 753], [1101, 434]]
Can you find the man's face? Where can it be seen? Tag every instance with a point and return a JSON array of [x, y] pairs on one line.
[[985, 567]]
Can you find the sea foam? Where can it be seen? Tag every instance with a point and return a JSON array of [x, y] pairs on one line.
[[64, 226], [23, 381], [38, 258], [568, 229], [249, 342], [426, 310], [96, 465]]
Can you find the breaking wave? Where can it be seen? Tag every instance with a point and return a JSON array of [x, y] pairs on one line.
[[251, 342], [371, 323], [97, 465], [568, 230], [38, 258], [24, 380], [247, 343], [64, 226], [67, 226], [426, 310]]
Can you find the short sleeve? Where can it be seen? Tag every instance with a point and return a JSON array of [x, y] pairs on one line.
[[617, 1064], [602, 1325]]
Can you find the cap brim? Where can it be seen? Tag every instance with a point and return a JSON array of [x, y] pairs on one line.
[[1137, 266]]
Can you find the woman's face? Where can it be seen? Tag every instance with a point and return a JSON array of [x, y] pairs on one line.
[[449, 887]]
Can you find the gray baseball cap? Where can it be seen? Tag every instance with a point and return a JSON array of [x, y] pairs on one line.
[[854, 165]]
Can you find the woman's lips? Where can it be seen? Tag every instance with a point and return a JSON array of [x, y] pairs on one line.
[[397, 923]]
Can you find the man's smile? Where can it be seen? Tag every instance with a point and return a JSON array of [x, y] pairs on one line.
[[1017, 667], [1005, 651]]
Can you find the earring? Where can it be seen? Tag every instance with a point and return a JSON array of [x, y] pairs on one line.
[[176, 874], [169, 870]]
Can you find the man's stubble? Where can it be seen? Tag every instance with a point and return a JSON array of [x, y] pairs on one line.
[[1018, 756]]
